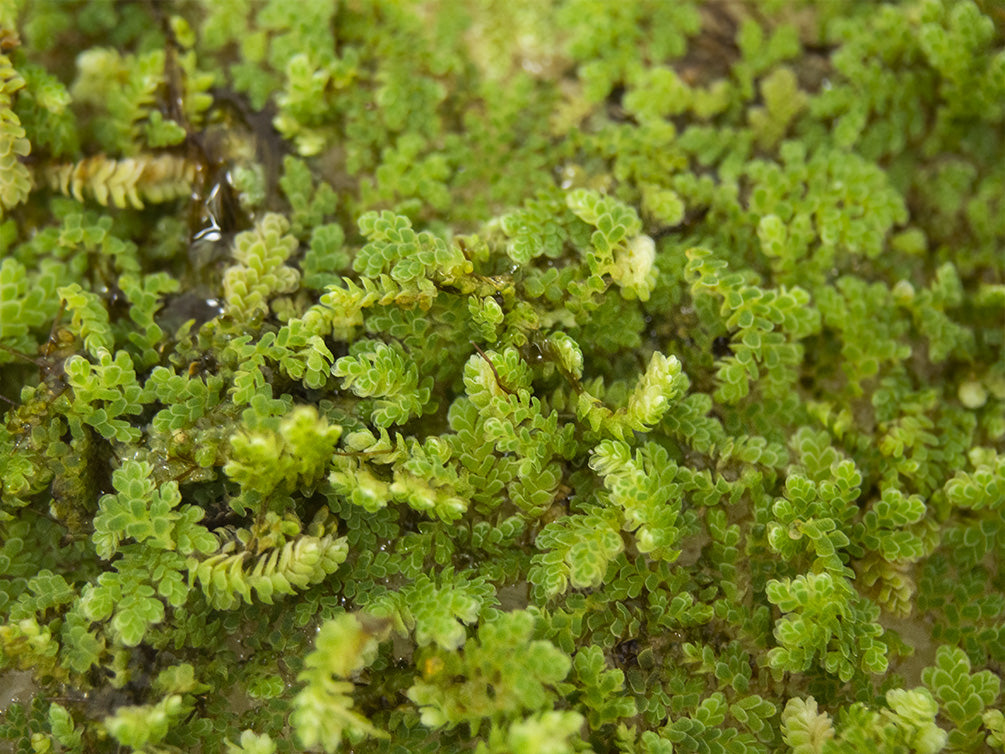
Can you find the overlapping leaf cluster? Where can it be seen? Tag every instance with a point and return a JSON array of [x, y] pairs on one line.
[[524, 377]]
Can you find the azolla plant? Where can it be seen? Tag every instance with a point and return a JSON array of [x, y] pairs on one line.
[[524, 377]]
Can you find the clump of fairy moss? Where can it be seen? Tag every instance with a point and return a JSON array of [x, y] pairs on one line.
[[523, 377]]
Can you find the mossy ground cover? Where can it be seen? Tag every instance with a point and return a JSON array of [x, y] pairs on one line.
[[502, 376]]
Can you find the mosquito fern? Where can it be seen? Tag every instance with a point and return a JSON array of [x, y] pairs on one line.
[[514, 377]]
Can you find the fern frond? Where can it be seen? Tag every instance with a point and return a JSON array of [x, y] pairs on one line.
[[155, 178]]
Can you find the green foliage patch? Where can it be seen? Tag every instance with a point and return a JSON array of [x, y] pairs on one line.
[[514, 377]]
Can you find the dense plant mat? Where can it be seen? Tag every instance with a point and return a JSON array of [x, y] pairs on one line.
[[502, 376]]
